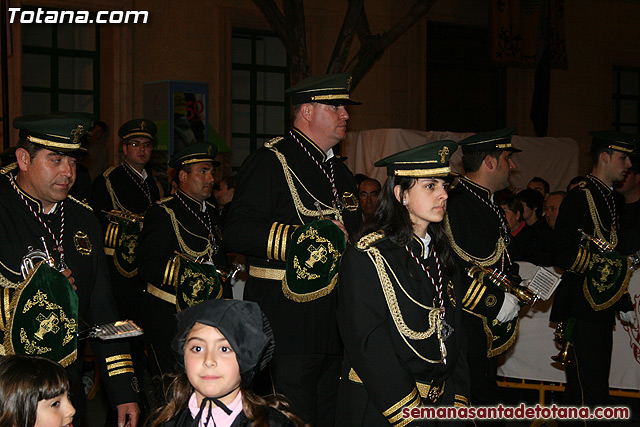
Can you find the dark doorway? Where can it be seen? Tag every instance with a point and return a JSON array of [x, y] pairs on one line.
[[465, 92]]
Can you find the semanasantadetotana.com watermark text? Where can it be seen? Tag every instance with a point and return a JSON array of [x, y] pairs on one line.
[[521, 412], [45, 16]]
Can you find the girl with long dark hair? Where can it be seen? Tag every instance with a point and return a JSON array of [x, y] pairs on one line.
[[399, 307]]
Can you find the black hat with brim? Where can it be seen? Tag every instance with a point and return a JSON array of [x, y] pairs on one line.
[[59, 132], [489, 141], [138, 127], [195, 153], [425, 161], [619, 141], [331, 89]]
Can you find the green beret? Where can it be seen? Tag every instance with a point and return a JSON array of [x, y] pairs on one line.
[[489, 141], [331, 89], [196, 153], [138, 127], [59, 132], [424, 161], [624, 142]]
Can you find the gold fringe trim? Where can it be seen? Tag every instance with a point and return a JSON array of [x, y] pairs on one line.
[[614, 299], [310, 296]]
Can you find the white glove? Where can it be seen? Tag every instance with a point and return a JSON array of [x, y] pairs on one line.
[[509, 309], [628, 316]]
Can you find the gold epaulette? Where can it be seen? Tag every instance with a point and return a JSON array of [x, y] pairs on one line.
[[108, 171], [369, 240], [273, 141], [165, 200], [83, 204], [8, 168]]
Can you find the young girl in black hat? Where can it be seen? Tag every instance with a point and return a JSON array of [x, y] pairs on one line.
[[34, 393], [221, 343]]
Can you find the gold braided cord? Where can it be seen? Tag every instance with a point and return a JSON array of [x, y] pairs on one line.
[[435, 323], [183, 245], [114, 199], [498, 252], [6, 283], [597, 223], [392, 301], [300, 208]]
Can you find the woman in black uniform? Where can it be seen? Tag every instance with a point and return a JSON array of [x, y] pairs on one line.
[[398, 297]]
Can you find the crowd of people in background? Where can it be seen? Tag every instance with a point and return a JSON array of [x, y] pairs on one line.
[[361, 298]]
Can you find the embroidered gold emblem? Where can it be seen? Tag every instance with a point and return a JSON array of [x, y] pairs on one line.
[[135, 386], [350, 201], [143, 125], [83, 243], [318, 254], [47, 324], [349, 80], [443, 153], [610, 267], [451, 292], [490, 300], [77, 133], [130, 243]]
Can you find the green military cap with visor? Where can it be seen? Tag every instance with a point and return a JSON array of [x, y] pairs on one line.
[[138, 127], [425, 161], [619, 141], [489, 141], [59, 132], [195, 153], [330, 89]]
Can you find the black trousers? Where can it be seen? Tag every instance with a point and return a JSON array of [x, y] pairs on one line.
[[484, 387], [588, 377], [310, 383]]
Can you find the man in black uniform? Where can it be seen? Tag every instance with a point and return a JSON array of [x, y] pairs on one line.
[[292, 181], [479, 235], [35, 210], [179, 249], [120, 197], [591, 207]]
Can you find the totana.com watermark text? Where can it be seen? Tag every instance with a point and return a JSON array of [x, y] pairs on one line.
[[45, 16]]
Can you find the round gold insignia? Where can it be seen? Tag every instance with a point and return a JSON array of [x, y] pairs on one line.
[[490, 300]]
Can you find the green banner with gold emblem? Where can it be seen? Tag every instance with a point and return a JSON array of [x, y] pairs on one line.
[[195, 282], [126, 243], [606, 278], [44, 317], [313, 260]]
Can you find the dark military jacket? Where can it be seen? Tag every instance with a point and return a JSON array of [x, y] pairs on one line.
[[263, 215], [83, 253], [576, 213], [123, 189], [171, 227], [476, 233], [384, 370]]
